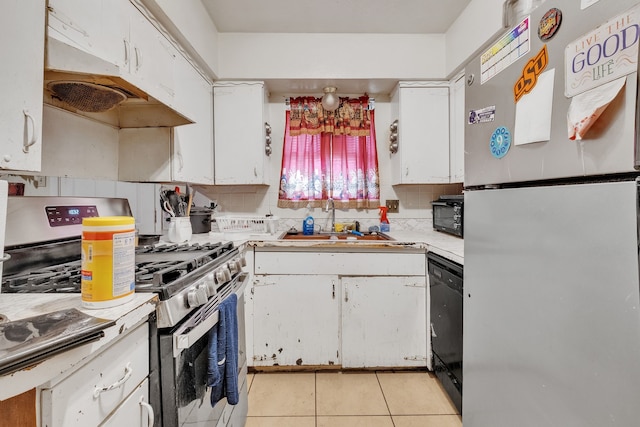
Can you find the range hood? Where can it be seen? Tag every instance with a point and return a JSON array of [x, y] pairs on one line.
[[82, 83]]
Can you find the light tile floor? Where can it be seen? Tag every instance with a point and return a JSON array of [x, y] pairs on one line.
[[349, 399]]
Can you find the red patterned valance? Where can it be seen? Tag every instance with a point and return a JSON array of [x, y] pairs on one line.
[[308, 117]]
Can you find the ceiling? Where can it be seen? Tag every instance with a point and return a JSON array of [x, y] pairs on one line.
[[335, 16]]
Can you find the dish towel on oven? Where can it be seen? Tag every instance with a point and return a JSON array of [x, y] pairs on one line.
[[222, 374]]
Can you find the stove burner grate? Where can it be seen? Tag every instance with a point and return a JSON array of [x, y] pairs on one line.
[[158, 269]]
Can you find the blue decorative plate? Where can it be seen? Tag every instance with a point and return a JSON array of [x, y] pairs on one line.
[[500, 142]]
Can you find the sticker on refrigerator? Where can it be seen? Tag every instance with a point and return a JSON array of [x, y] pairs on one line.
[[529, 77], [549, 24], [500, 142], [513, 46], [604, 54], [483, 115]]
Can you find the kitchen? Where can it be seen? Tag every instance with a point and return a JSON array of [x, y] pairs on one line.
[[107, 161]]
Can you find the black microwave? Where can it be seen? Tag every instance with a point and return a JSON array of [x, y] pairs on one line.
[[448, 213]]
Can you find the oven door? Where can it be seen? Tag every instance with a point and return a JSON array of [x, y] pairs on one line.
[[186, 399]]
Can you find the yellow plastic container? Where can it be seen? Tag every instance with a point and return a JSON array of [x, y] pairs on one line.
[[108, 261]]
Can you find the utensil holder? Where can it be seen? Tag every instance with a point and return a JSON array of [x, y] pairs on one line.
[[179, 229]]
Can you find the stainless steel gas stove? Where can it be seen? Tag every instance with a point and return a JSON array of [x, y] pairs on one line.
[[191, 280]]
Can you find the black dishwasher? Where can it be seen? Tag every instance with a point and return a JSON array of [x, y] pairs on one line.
[[445, 285]]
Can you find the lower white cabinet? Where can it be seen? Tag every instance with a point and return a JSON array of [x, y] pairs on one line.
[[134, 411], [101, 388], [383, 321], [355, 310], [296, 320]]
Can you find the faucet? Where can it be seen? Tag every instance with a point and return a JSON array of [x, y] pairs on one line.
[[333, 213]]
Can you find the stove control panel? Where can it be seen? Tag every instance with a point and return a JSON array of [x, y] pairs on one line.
[[60, 216]]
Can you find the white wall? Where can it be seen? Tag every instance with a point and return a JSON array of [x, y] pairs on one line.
[[74, 145], [478, 24], [334, 56]]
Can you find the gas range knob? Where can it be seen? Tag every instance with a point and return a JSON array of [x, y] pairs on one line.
[[223, 274], [234, 267], [210, 284], [242, 260], [197, 297]]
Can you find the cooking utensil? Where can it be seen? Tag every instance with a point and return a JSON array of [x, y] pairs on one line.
[[190, 200], [201, 220], [148, 239], [168, 209]]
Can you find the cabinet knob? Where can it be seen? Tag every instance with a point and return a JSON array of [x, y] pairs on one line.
[[393, 137]]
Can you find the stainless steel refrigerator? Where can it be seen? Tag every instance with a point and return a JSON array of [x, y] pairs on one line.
[[551, 274]]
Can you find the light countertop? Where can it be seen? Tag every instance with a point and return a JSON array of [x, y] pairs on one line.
[[448, 246], [19, 306]]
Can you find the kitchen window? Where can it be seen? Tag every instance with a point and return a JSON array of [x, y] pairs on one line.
[[329, 155]]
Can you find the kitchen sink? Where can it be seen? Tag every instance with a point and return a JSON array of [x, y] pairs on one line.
[[297, 235]]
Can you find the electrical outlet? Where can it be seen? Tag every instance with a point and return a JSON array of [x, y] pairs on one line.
[[40, 181], [393, 206]]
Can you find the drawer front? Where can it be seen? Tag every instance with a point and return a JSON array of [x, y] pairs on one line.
[[82, 399], [341, 263], [134, 411]]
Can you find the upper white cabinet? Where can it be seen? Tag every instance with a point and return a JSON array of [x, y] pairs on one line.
[[458, 120], [422, 111], [151, 58], [22, 30], [117, 32], [192, 147], [240, 114]]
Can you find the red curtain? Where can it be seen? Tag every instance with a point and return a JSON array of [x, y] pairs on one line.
[[329, 155]]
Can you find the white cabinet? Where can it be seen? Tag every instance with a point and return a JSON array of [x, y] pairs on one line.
[[97, 389], [458, 122], [354, 309], [99, 27], [240, 113], [422, 111], [151, 58], [383, 321], [181, 154], [134, 411], [296, 320], [192, 148], [22, 30], [116, 31]]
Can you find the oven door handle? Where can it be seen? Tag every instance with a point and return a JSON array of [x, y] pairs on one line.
[[184, 341]]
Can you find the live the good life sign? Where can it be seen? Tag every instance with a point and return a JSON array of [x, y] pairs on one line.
[[604, 54]]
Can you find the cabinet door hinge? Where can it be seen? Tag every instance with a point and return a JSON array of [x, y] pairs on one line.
[[415, 358]]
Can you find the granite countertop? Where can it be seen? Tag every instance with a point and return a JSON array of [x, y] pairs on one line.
[[20, 306]]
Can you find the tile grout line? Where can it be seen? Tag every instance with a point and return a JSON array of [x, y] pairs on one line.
[[385, 399]]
